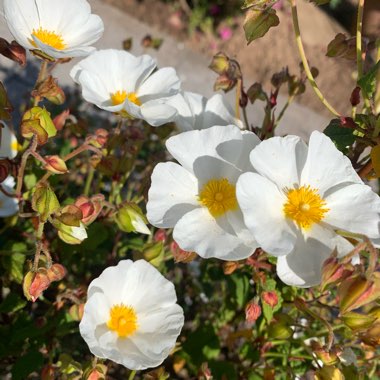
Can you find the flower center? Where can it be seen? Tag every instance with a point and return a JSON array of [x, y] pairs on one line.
[[48, 38], [123, 320], [219, 196], [15, 146], [305, 206], [119, 96]]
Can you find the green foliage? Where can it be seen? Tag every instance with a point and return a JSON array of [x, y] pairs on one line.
[[343, 137], [257, 23]]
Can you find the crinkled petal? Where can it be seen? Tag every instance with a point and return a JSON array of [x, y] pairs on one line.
[[172, 194], [280, 159], [262, 205], [326, 166], [198, 231], [354, 208], [188, 146]]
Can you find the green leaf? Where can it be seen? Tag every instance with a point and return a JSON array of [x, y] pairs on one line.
[[14, 265], [12, 303], [342, 137], [239, 288], [368, 82], [27, 364], [258, 4], [257, 23]]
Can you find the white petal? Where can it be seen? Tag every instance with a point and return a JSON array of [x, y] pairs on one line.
[[219, 112], [188, 146], [8, 142], [198, 231], [8, 205], [172, 194], [237, 152], [79, 233], [262, 205], [157, 113], [280, 159], [326, 166], [354, 208], [303, 266], [161, 84], [208, 168]]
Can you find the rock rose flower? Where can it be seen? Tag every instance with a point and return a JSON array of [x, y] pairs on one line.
[[9, 146], [131, 316], [297, 200], [8, 205], [198, 197], [60, 29], [117, 81], [197, 112]]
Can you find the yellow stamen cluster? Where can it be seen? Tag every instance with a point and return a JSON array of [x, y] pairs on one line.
[[48, 38], [304, 206], [123, 320], [119, 97], [219, 196]]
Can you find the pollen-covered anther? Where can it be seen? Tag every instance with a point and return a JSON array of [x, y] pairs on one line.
[[123, 320], [219, 196], [305, 206], [49, 38], [119, 97]]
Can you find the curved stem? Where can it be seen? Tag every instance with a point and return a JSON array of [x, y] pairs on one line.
[[304, 60], [132, 375], [359, 26]]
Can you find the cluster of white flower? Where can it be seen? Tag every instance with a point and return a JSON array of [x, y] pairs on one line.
[[229, 194]]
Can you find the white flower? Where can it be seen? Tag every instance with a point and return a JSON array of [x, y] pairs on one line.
[[8, 205], [119, 82], [8, 143], [197, 112], [198, 198], [59, 28], [131, 316], [299, 198]]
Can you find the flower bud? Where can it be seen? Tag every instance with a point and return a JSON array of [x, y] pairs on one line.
[[76, 312], [97, 373], [327, 357], [154, 253], [225, 83], [35, 283], [220, 63], [101, 137], [56, 272], [90, 207], [270, 298], [60, 120], [279, 330], [181, 256], [130, 218], [50, 90], [37, 121], [357, 321], [44, 201], [160, 235], [355, 96], [14, 51], [70, 215], [55, 164], [71, 234], [252, 312], [328, 373], [333, 272], [356, 292], [372, 335]]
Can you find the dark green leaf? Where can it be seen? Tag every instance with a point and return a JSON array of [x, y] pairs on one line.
[[342, 137], [12, 303]]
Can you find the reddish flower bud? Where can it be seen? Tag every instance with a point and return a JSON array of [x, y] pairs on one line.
[[229, 267], [252, 312], [327, 357], [270, 298], [50, 90], [356, 292], [55, 164], [90, 207], [35, 284], [333, 272], [14, 51], [56, 272], [101, 137], [355, 96], [47, 373], [181, 256], [60, 120], [76, 312], [160, 235]]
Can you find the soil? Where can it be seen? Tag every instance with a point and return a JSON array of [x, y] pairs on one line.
[[269, 54]]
